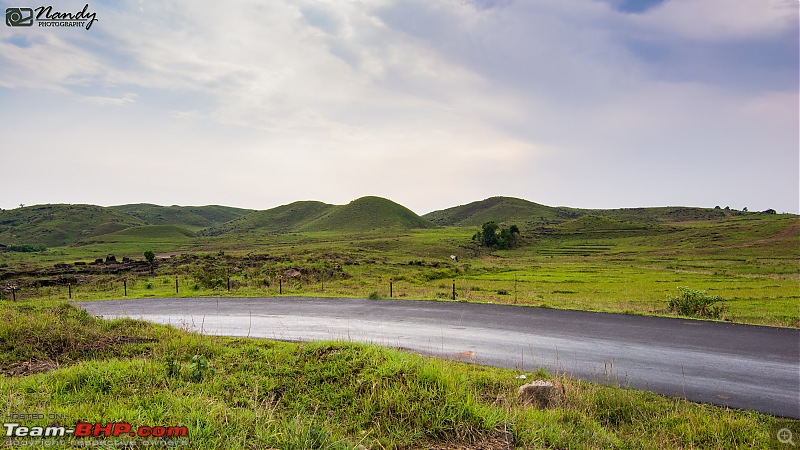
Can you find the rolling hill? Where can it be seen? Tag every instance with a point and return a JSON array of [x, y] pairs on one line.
[[526, 214], [502, 209], [365, 214], [189, 217], [61, 225], [281, 219], [58, 225]]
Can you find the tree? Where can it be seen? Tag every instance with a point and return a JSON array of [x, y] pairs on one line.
[[151, 259], [492, 236]]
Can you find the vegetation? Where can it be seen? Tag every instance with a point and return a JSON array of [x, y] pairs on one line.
[[493, 236], [696, 303], [233, 393]]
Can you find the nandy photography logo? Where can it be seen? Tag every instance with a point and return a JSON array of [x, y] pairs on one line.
[[46, 16]]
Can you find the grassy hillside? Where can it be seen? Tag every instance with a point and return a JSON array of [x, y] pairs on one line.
[[190, 217], [59, 225], [527, 214], [501, 209], [366, 214], [281, 219]]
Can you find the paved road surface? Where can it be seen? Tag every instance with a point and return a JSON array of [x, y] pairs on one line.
[[741, 366]]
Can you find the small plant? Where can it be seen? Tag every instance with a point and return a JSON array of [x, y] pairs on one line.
[[374, 295], [199, 368], [151, 259], [172, 368], [696, 304]]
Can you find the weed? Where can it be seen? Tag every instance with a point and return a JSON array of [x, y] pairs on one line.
[[199, 368], [696, 303]]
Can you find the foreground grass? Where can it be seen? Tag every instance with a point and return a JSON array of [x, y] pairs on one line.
[[61, 362]]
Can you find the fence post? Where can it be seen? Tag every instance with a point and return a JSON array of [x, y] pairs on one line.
[[176, 284], [125, 286], [454, 289], [69, 286], [390, 287], [14, 292], [280, 285]]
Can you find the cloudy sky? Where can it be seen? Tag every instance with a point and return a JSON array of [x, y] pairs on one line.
[[583, 103]]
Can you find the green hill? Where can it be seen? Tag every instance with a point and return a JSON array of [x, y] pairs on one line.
[[525, 214], [190, 217], [365, 214], [58, 225], [282, 219], [502, 209]]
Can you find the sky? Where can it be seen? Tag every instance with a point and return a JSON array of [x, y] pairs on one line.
[[432, 104]]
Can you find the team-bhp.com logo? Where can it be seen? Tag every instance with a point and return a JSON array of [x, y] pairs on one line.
[[47, 17], [83, 429]]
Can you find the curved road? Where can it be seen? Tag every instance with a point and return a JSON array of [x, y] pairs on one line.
[[740, 366]]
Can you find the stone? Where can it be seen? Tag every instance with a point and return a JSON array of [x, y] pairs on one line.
[[111, 259], [542, 394], [291, 273]]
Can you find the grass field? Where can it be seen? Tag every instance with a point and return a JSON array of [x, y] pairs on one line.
[[750, 262]]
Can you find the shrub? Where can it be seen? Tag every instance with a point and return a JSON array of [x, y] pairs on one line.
[[26, 248], [695, 303]]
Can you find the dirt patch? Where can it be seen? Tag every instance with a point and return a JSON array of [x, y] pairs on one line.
[[501, 440], [59, 351], [29, 367]]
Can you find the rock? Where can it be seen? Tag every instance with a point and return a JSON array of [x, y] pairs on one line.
[[291, 273], [111, 259], [542, 393]]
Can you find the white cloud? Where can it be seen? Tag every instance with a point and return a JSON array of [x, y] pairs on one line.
[[721, 20]]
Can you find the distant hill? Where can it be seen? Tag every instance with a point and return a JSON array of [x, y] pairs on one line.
[[526, 214], [190, 217], [61, 225], [502, 209], [282, 219], [58, 225], [365, 214]]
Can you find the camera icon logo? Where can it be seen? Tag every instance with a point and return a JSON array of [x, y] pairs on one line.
[[19, 17]]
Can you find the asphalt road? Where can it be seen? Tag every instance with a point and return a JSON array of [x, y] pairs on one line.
[[741, 366]]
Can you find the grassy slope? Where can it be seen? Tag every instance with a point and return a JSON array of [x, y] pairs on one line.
[[58, 225], [366, 214], [501, 209], [190, 217], [281, 219], [266, 394], [528, 214]]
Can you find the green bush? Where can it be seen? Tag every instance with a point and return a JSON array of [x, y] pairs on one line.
[[695, 303], [26, 248]]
